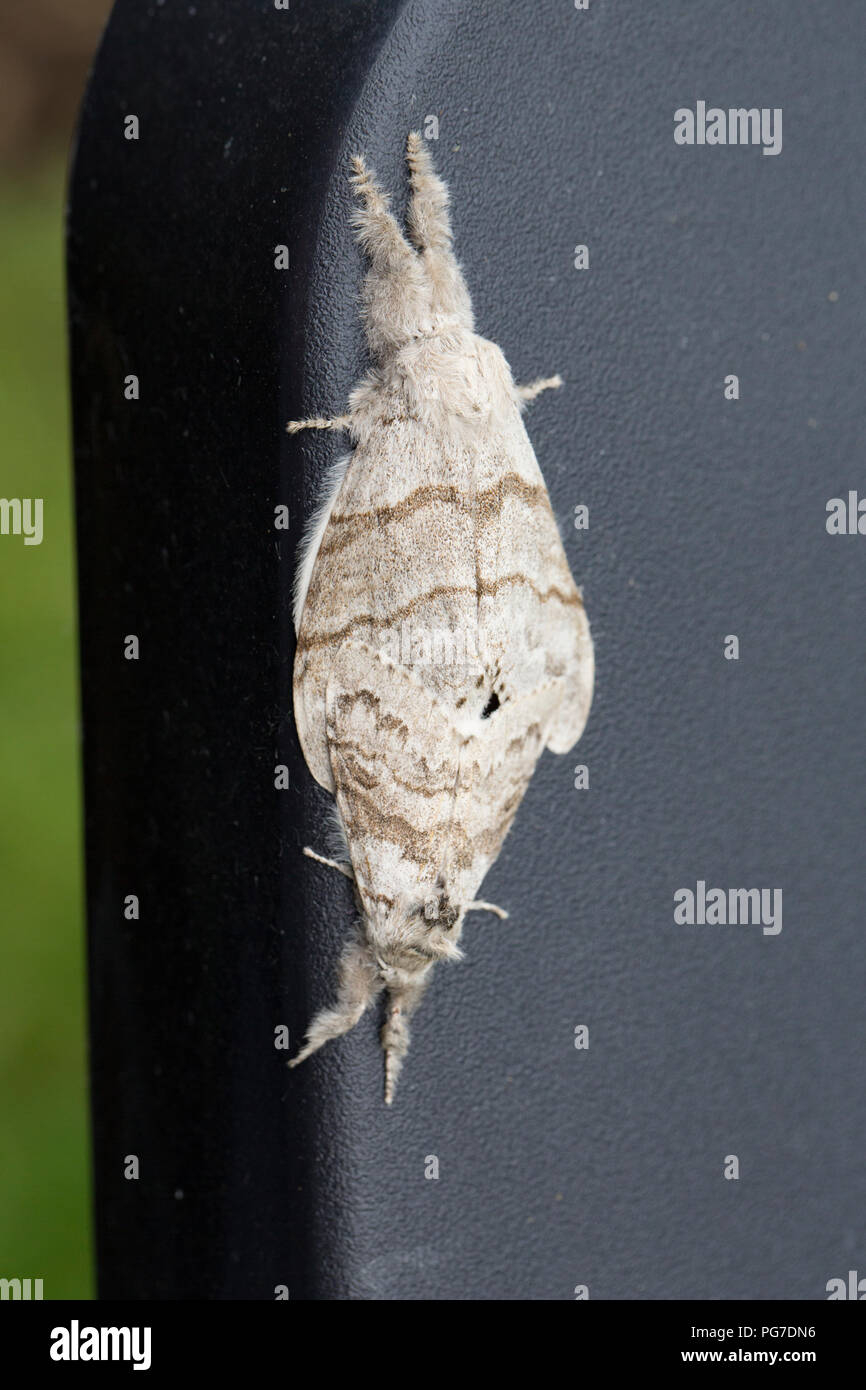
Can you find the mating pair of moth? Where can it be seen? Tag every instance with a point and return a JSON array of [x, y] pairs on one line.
[[438, 518]]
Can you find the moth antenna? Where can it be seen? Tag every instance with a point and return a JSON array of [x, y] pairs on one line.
[[331, 863], [339, 422], [535, 388], [480, 906]]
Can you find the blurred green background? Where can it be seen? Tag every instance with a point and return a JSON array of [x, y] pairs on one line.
[[44, 1151]]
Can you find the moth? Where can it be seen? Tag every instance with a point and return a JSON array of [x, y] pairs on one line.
[[441, 641]]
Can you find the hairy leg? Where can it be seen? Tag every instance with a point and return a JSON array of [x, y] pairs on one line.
[[358, 986], [396, 297], [402, 1003], [429, 227]]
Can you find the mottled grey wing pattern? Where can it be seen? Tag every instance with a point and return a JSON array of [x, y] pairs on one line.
[[423, 804]]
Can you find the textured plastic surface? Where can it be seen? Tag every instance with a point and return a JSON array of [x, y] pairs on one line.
[[557, 1167]]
